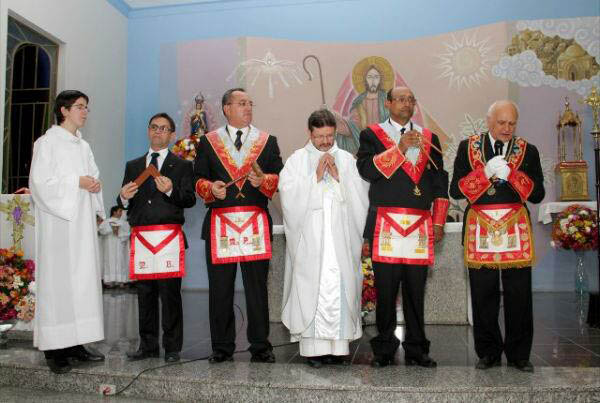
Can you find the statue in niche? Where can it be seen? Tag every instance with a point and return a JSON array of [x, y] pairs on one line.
[[198, 121]]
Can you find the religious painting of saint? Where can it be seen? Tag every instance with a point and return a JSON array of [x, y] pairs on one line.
[[360, 101]]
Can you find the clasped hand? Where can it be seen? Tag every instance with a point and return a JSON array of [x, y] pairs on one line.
[[327, 163], [409, 139], [497, 167], [90, 184]]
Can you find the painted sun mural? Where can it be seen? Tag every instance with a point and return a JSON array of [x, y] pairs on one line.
[[466, 62]]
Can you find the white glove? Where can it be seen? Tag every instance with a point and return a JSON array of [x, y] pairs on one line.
[[492, 165], [502, 172]]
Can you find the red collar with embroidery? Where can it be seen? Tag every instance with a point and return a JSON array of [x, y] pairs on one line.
[[413, 171], [228, 162], [476, 153]]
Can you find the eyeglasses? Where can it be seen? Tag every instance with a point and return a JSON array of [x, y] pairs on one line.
[[159, 129], [323, 138], [243, 104], [81, 107], [402, 100]]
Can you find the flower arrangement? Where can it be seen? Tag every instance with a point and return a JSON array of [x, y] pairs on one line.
[[369, 292], [186, 147], [17, 286], [576, 228]]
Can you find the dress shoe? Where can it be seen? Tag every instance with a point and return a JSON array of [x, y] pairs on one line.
[[423, 361], [263, 356], [218, 357], [79, 353], [380, 361], [142, 355], [522, 365], [171, 357], [488, 362], [59, 365], [333, 359], [314, 362]]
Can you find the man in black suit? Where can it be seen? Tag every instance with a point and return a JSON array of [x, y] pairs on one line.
[[408, 200], [159, 201], [498, 172], [237, 227]]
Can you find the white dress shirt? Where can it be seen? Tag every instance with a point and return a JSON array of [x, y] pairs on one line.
[[504, 147], [162, 154], [231, 131]]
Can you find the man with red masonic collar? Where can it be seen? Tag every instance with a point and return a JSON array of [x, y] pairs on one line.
[[404, 166], [497, 172], [237, 172]]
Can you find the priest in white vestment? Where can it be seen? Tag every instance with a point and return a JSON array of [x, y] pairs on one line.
[[115, 247], [324, 202], [66, 191]]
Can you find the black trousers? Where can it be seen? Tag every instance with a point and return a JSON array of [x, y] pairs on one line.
[[387, 281], [169, 292], [518, 312], [221, 288]]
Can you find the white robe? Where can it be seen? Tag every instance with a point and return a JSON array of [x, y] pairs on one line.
[[323, 225], [68, 310], [114, 250]]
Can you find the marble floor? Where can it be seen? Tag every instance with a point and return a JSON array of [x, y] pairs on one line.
[[561, 336], [562, 339]]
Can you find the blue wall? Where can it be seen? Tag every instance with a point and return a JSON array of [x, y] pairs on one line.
[[309, 20], [335, 20]]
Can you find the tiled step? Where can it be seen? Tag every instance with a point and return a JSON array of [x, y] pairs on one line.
[[244, 381]]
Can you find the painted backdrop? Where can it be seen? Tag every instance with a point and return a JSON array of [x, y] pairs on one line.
[[455, 77]]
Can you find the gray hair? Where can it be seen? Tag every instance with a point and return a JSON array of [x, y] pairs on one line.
[[501, 102]]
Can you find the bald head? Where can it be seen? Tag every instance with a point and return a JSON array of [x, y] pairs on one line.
[[502, 119], [399, 91], [503, 103], [401, 104]]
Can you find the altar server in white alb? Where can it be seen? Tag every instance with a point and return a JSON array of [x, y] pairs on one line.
[[325, 204], [115, 248], [66, 190]]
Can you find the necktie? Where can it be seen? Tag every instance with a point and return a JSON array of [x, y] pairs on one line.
[[153, 161], [401, 133], [498, 146], [238, 140]]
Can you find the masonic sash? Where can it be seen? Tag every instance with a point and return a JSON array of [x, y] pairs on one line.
[[157, 251], [239, 234], [403, 236], [498, 236], [387, 168]]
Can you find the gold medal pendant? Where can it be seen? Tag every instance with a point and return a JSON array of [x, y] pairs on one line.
[[491, 191], [417, 191]]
